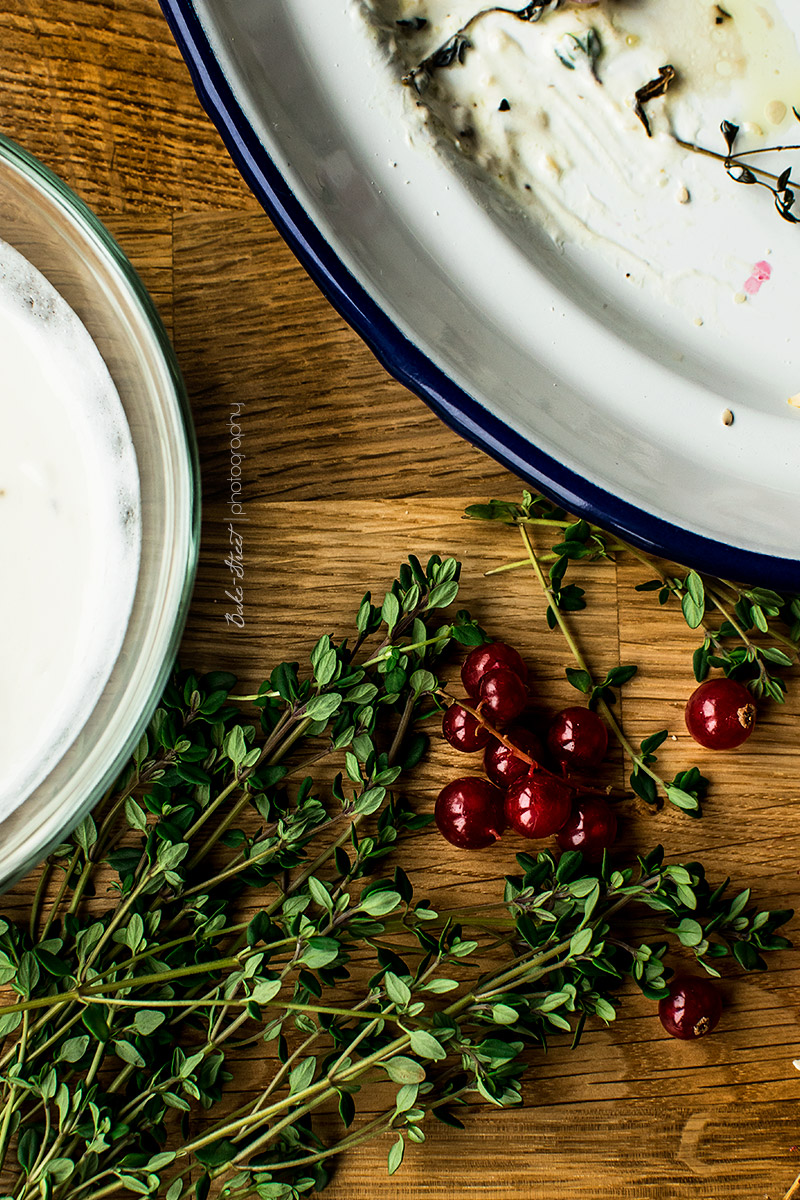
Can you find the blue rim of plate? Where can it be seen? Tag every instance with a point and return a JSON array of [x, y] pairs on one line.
[[407, 363]]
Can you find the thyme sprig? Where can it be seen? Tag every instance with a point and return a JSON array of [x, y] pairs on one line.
[[741, 170], [123, 1020], [740, 626], [453, 50]]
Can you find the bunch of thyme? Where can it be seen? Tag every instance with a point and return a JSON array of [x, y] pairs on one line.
[[124, 1020], [746, 631]]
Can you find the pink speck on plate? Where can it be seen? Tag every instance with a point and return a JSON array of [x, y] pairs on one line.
[[761, 272]]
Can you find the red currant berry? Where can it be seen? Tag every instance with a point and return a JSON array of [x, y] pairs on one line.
[[720, 714], [538, 805], [578, 739], [503, 766], [692, 1008], [462, 731], [591, 827], [488, 658], [469, 813], [502, 696]]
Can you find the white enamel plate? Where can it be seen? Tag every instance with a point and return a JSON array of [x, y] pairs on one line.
[[593, 384]]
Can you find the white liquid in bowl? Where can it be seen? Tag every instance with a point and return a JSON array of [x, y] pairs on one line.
[[69, 526]]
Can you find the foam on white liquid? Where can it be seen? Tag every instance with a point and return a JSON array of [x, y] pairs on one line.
[[69, 526]]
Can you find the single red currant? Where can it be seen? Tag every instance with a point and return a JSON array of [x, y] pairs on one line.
[[720, 714], [462, 731], [591, 827], [502, 696], [488, 658], [469, 812], [692, 1008], [503, 766], [537, 805], [578, 739]]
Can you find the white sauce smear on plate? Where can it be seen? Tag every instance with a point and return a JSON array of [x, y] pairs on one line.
[[569, 147], [69, 526]]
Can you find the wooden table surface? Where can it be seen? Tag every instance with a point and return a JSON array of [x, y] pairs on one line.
[[345, 473]]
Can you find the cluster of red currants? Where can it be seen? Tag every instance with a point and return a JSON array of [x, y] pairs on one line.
[[518, 790]]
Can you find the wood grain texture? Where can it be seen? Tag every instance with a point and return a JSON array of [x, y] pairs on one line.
[[344, 473]]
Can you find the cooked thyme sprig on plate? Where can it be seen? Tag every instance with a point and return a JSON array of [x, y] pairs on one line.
[[780, 186], [453, 50], [747, 632]]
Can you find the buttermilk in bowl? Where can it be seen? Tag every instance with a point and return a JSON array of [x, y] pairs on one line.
[[70, 526]]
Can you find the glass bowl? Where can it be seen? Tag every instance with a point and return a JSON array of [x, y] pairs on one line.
[[45, 222]]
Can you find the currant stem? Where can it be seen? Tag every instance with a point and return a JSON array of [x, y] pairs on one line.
[[604, 708]]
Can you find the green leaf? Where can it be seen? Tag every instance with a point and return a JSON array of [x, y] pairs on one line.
[[390, 610], [325, 663], [128, 1053], [426, 1046], [774, 655], [58, 967], [604, 1009], [302, 1075], [58, 1169], [283, 680], [171, 856], [265, 990], [320, 952], [693, 600], [175, 1190], [322, 708], [396, 1155], [581, 680], [9, 1023], [28, 1147], [580, 941], [700, 663], [218, 1153], [443, 594], [320, 894], [439, 986], [748, 957], [364, 612], [644, 786], [234, 746], [369, 801], [132, 1184], [681, 799], [618, 676], [134, 934], [402, 1069], [397, 991], [159, 1161], [560, 1022], [738, 904], [689, 932], [502, 1014], [147, 1021], [379, 904], [652, 585], [86, 835], [73, 1049], [62, 1101], [651, 743], [347, 1109], [468, 635], [422, 681], [135, 815], [406, 1098]]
